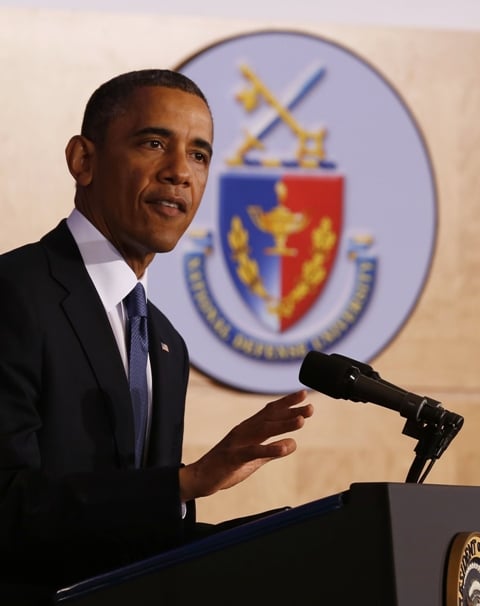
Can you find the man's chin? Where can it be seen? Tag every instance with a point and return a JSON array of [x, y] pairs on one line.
[[166, 247]]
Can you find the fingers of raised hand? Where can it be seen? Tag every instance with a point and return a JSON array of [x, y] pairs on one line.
[[286, 409], [277, 417]]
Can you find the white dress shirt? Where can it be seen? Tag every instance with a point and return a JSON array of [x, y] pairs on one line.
[[113, 280]]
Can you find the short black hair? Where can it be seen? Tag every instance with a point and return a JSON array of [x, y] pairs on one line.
[[110, 98]]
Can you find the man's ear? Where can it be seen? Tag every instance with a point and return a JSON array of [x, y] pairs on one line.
[[79, 154]]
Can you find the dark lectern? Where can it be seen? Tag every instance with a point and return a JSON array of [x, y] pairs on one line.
[[376, 544]]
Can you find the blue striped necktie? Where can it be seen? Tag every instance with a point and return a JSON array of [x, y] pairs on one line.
[[136, 306]]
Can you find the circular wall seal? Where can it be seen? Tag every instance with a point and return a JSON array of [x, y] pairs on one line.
[[463, 571], [318, 223]]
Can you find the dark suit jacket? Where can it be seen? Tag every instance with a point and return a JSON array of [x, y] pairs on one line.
[[71, 504]]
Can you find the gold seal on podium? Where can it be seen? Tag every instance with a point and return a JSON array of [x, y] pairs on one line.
[[463, 570]]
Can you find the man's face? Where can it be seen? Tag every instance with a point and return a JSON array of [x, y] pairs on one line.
[[149, 174]]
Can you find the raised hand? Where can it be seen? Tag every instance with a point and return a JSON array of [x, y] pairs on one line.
[[246, 447]]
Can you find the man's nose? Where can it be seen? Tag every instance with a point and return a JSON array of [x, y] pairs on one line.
[[175, 168]]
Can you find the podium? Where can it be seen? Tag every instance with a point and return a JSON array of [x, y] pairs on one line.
[[375, 544]]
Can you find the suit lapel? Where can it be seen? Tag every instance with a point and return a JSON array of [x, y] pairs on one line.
[[158, 422], [90, 323], [168, 397]]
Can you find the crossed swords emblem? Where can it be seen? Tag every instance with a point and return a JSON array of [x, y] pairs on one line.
[[310, 152]]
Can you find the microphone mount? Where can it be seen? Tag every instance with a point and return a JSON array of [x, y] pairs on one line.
[[433, 437]]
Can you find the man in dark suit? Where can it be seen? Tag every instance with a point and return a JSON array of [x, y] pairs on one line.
[[73, 500]]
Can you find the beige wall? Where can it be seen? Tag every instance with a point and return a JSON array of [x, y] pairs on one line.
[[49, 64]]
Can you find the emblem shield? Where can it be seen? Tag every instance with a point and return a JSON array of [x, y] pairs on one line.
[[280, 235]]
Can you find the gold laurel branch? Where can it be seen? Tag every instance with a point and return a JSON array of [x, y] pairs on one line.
[[238, 238], [247, 268]]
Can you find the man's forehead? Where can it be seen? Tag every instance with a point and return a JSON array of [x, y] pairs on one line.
[[158, 100], [164, 95], [150, 108]]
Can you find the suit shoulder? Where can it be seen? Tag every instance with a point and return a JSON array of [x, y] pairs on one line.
[[25, 258], [29, 262]]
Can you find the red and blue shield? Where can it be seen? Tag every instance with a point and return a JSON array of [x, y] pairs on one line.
[[280, 235]]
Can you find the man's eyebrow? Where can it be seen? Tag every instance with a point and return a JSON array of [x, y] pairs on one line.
[[154, 130], [166, 132], [204, 145]]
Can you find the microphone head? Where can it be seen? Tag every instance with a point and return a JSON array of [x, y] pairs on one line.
[[365, 369], [329, 374]]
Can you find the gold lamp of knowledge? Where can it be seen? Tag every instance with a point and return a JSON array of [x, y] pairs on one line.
[[280, 222]]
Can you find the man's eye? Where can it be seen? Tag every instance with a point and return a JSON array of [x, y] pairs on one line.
[[154, 144], [201, 157]]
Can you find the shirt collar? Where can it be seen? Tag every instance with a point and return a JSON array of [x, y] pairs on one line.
[[111, 275]]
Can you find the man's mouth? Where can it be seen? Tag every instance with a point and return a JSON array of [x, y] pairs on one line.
[[170, 204], [178, 204]]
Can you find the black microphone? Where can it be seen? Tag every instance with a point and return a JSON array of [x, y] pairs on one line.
[[368, 371], [343, 378]]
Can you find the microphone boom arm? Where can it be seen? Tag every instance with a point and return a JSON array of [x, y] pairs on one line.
[[427, 420], [340, 377]]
